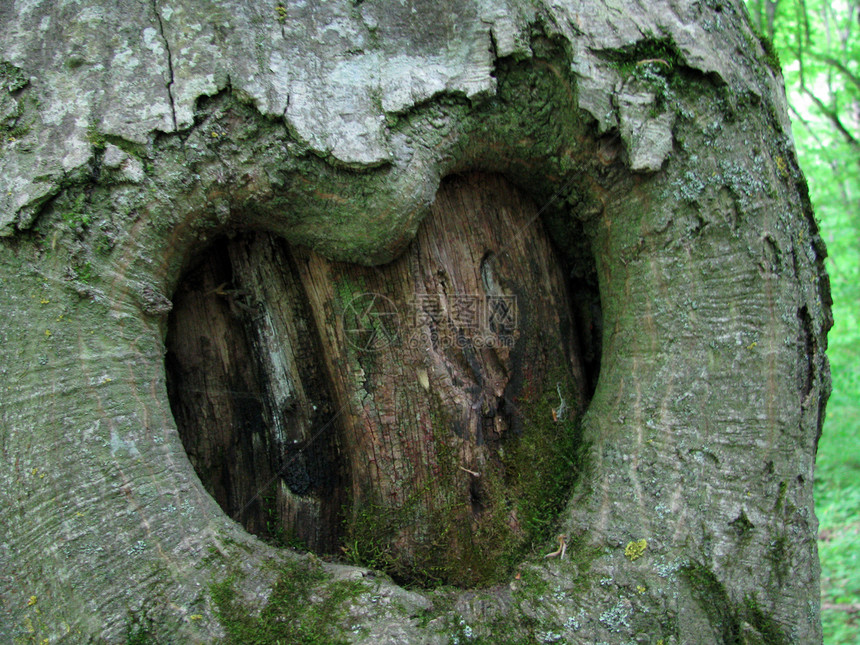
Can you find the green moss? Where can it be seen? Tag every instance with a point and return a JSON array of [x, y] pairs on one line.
[[12, 78], [84, 272], [526, 112], [780, 498], [129, 147], [74, 211], [779, 555], [771, 632], [139, 630], [299, 610], [581, 554], [14, 125], [276, 533], [542, 464], [771, 56], [532, 584], [714, 601], [247, 547], [96, 138], [501, 629], [508, 619], [519, 499], [497, 624], [659, 52], [10, 135], [712, 598], [105, 243], [375, 528]]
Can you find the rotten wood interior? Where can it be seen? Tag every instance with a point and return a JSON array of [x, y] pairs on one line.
[[344, 407]]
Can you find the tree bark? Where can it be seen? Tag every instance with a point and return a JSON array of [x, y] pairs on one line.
[[241, 244]]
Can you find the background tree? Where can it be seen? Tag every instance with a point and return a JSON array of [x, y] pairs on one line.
[[151, 151], [817, 44]]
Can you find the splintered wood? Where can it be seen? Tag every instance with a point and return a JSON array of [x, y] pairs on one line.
[[369, 408]]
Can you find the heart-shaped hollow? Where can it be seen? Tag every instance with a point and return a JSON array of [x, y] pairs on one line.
[[419, 417]]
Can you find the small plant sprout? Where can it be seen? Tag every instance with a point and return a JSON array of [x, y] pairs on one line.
[[562, 548]]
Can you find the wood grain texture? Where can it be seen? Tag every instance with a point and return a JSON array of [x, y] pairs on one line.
[[300, 384], [248, 396]]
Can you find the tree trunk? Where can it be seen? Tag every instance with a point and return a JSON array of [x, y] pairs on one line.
[[523, 300]]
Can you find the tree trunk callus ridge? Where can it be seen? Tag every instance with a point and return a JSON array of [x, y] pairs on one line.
[[293, 294]]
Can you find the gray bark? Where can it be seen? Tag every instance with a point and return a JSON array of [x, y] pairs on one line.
[[655, 140]]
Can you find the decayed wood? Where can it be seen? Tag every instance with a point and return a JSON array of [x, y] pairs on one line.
[[247, 395], [214, 391], [433, 395], [429, 362]]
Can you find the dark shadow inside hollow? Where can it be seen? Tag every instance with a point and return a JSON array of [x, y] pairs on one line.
[[420, 417], [249, 397]]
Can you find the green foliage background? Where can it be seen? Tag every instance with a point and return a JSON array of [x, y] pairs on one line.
[[817, 43]]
